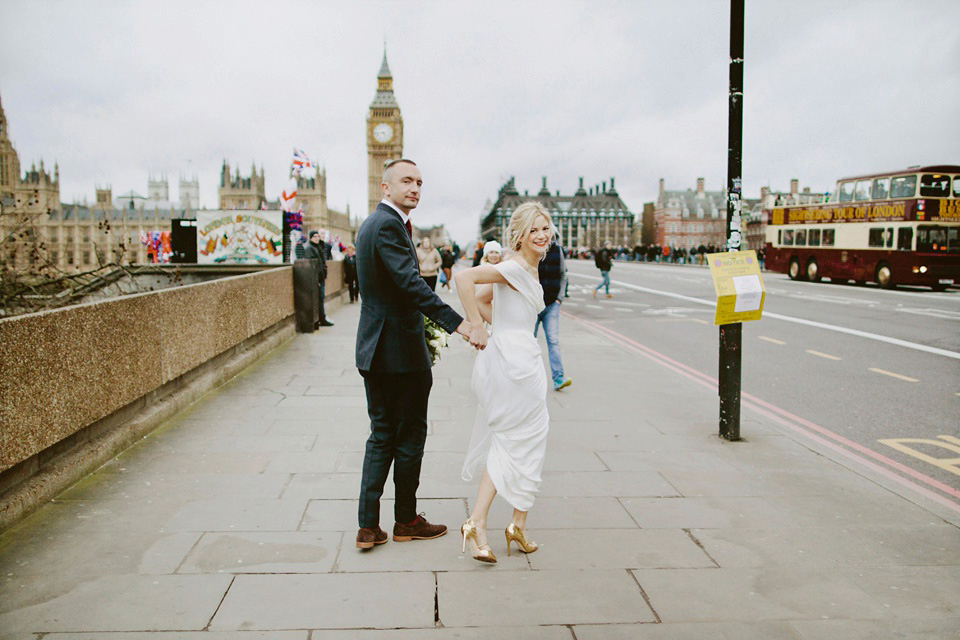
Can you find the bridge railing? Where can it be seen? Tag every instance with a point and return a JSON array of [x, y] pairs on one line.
[[80, 384]]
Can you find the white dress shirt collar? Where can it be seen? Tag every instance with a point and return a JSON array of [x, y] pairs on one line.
[[403, 217]]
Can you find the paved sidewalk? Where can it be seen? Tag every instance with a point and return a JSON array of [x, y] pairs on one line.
[[237, 520]]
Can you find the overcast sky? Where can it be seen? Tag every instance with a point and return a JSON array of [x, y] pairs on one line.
[[632, 89]]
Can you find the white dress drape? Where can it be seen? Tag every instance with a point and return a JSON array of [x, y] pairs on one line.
[[509, 380]]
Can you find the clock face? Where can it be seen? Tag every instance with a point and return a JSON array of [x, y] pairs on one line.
[[383, 132]]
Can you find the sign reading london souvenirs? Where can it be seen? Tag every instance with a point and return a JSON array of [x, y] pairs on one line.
[[739, 286], [239, 237]]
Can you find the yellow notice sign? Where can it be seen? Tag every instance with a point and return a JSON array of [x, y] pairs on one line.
[[739, 286]]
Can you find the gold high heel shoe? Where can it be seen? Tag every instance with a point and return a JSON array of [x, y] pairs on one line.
[[469, 532], [515, 534]]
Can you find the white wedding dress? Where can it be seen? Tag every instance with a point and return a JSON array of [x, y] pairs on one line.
[[510, 434]]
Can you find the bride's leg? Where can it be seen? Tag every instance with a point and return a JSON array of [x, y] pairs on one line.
[[520, 519], [486, 492]]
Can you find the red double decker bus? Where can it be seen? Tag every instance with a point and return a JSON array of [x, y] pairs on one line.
[[899, 227]]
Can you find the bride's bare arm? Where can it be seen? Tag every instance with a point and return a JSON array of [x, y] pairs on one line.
[[485, 302], [467, 281]]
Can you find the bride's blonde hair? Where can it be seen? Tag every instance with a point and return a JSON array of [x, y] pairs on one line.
[[521, 222]]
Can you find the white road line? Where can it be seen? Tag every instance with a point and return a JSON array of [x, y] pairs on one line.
[[624, 310], [593, 306], [933, 313], [773, 340], [894, 375], [777, 316], [822, 355]]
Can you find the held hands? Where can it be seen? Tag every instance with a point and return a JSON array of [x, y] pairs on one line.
[[475, 334]]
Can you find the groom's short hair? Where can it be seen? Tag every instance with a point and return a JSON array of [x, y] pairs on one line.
[[390, 165]]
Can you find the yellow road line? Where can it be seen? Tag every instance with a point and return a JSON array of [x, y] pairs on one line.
[[773, 340], [894, 375], [822, 355]]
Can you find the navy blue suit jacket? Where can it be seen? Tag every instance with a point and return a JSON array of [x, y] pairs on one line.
[[394, 298]]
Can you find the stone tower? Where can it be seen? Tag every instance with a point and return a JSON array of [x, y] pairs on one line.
[[239, 192], [9, 160], [189, 193], [384, 132]]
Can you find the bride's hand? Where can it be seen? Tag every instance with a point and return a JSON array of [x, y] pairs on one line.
[[478, 336]]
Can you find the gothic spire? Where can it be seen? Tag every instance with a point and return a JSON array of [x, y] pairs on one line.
[[384, 67]]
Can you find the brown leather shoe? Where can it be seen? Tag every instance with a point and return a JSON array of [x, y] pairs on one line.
[[369, 536], [420, 529]]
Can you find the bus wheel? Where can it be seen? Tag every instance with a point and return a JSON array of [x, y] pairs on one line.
[[813, 270], [885, 276], [794, 270]]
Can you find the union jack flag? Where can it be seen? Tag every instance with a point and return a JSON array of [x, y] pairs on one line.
[[301, 161]]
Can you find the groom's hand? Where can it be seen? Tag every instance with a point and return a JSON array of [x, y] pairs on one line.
[[475, 334]]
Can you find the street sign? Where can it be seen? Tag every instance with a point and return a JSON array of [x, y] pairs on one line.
[[739, 286]]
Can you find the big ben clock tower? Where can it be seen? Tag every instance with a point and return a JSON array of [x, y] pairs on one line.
[[384, 132]]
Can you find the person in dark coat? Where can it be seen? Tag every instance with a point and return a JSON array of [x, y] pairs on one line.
[[604, 262], [314, 251], [350, 272], [393, 358], [553, 277]]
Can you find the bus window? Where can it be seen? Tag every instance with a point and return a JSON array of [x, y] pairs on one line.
[[875, 238], [788, 237], [934, 185], [828, 235], [956, 186], [863, 190], [903, 187], [814, 239], [800, 238], [905, 239], [881, 189], [846, 191], [936, 238], [888, 238]]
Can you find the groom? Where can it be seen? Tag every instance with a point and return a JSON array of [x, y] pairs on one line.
[[393, 359]]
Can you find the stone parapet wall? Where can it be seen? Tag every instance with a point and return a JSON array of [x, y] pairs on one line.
[[63, 370]]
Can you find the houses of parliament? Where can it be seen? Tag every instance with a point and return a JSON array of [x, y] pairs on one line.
[[39, 230]]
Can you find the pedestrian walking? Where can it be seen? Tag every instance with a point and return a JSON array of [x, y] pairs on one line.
[[393, 358], [553, 278], [350, 272], [604, 262], [430, 262], [314, 251], [447, 259]]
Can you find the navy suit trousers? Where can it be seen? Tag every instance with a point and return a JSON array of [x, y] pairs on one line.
[[397, 405]]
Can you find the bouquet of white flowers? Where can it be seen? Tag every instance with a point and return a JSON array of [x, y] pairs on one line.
[[436, 338]]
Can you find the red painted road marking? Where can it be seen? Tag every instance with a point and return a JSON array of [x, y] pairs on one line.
[[801, 425]]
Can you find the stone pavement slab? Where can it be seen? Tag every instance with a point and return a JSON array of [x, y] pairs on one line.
[[690, 631], [908, 629], [510, 598], [770, 593], [124, 603], [186, 635], [245, 552], [328, 601]]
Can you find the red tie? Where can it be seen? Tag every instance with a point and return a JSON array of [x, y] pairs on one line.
[[409, 229]]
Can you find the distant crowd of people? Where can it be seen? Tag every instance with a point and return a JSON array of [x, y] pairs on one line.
[[654, 253]]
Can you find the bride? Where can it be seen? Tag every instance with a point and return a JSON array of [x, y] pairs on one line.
[[509, 439]]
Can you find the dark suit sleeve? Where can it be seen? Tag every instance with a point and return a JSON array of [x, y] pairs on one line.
[[395, 254]]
